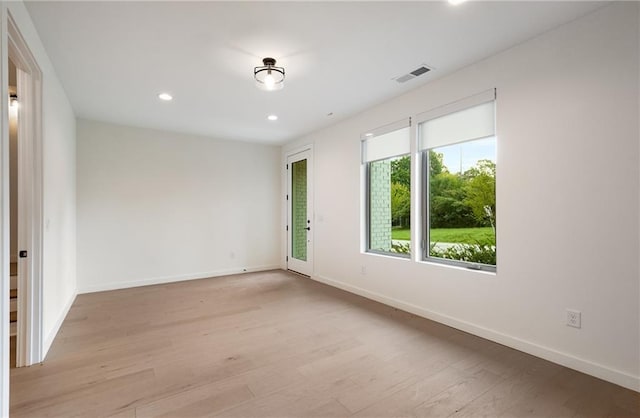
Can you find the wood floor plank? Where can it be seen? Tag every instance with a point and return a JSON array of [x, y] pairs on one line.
[[97, 399], [296, 401], [404, 402], [276, 344], [127, 413], [511, 391], [204, 400]]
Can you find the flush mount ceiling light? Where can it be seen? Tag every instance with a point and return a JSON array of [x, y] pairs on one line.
[[165, 96], [269, 77], [456, 2], [272, 117]]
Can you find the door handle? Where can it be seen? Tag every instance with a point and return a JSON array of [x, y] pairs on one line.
[[308, 228]]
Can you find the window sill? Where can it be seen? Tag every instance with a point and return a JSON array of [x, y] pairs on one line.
[[389, 255], [453, 266]]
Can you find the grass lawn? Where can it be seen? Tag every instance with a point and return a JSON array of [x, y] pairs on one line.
[[469, 235]]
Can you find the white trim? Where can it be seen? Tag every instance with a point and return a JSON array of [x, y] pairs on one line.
[[172, 279], [4, 215], [298, 150], [565, 359], [416, 182], [29, 340], [56, 327]]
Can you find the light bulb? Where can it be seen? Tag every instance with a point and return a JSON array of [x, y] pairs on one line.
[[269, 81]]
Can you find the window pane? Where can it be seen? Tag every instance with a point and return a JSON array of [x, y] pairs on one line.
[[462, 202], [390, 205], [299, 210]]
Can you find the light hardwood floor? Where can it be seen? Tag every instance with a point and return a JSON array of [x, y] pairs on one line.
[[275, 344]]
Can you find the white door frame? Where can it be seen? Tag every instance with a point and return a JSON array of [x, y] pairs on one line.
[[293, 264], [4, 211], [13, 45], [29, 340]]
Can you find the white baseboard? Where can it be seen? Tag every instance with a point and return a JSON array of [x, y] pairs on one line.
[[594, 369], [52, 335], [170, 279]]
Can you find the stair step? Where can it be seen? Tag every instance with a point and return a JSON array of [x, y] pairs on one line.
[[13, 307], [13, 304]]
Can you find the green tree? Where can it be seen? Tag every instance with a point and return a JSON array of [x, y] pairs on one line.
[[400, 205], [401, 171], [401, 168], [447, 206], [436, 164], [486, 167], [480, 188]]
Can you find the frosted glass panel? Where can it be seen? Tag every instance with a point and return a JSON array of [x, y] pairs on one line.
[[299, 210]]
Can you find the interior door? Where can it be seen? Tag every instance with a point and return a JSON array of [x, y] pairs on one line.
[[300, 213], [25, 338]]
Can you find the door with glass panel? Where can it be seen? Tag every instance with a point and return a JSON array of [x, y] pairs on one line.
[[299, 213]]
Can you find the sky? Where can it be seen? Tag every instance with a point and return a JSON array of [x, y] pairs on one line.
[[467, 154]]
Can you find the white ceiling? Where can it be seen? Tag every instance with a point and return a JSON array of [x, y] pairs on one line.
[[113, 58]]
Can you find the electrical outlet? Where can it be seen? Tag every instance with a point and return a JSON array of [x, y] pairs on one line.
[[574, 318]]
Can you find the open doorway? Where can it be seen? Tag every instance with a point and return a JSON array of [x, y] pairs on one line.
[[25, 227], [26, 77], [13, 211]]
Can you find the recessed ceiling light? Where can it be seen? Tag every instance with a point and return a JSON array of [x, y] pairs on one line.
[[165, 96], [456, 2], [272, 117]]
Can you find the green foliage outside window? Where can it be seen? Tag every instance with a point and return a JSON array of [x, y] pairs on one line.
[[456, 200]]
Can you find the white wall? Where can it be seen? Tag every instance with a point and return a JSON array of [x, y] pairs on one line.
[[59, 188], [567, 201], [156, 206]]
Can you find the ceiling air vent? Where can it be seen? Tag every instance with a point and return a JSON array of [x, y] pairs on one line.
[[413, 74]]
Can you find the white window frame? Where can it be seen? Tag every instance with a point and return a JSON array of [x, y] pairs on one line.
[[366, 161], [469, 102]]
